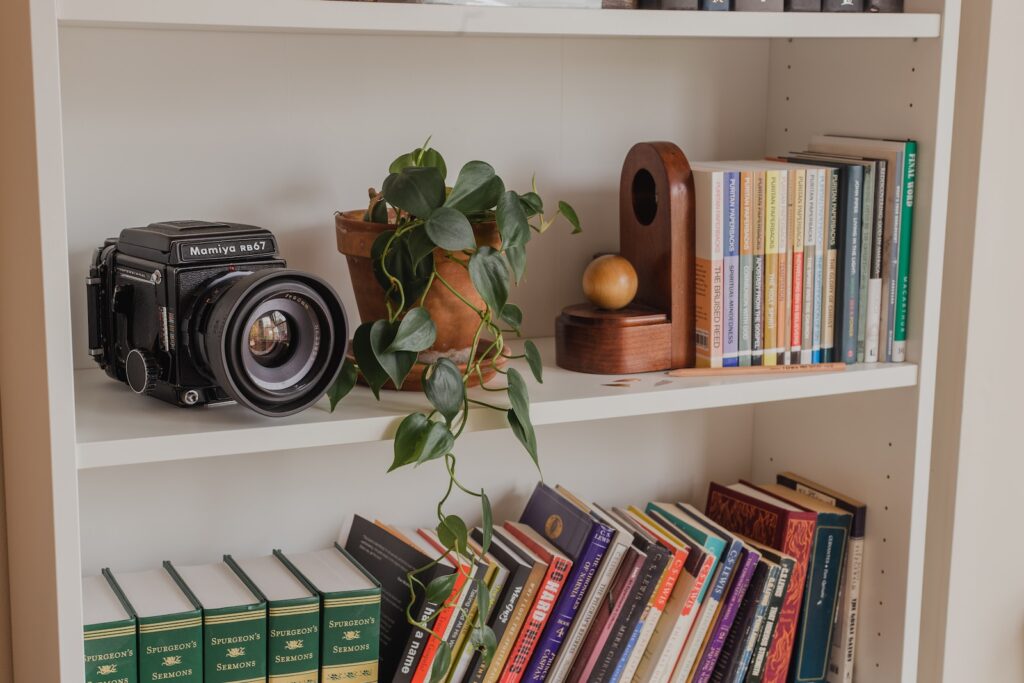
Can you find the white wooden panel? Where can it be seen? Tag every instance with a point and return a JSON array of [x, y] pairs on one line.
[[134, 517]]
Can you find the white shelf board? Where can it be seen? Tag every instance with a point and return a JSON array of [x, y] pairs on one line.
[[116, 427], [331, 16]]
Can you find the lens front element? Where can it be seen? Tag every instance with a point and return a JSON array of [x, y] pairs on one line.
[[270, 339]]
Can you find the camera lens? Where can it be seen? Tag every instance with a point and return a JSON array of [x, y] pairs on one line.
[[275, 339]]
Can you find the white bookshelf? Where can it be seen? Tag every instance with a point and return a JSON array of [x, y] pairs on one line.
[[278, 112]]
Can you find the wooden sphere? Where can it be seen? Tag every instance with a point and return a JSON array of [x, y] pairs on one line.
[[610, 282]]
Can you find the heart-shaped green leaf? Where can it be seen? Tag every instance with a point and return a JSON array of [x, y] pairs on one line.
[[420, 157], [407, 438], [442, 660], [533, 359], [513, 315], [570, 215], [490, 277], [362, 348], [412, 274], [416, 332], [396, 364], [483, 639], [416, 190], [524, 432], [453, 534], [343, 384], [512, 222], [435, 442], [517, 260], [419, 246], [483, 599], [442, 383], [487, 527], [476, 189], [450, 230], [532, 204], [440, 589], [519, 416]]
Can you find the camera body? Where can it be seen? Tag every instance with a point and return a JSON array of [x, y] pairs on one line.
[[196, 313]]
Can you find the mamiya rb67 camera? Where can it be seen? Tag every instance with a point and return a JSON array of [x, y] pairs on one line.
[[195, 313]]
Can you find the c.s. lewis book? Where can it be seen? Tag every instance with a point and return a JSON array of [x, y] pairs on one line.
[[349, 615], [738, 647], [170, 625], [559, 566], [110, 634], [585, 541], [746, 510], [234, 622], [293, 618], [844, 635], [821, 594], [727, 615], [390, 559]]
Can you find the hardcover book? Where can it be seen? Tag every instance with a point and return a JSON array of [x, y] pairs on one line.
[[234, 622], [749, 559], [559, 566], [598, 591], [350, 599], [803, 5], [389, 559], [111, 654], [759, 5], [293, 618], [585, 542], [748, 511], [842, 6], [844, 634], [709, 186], [170, 625]]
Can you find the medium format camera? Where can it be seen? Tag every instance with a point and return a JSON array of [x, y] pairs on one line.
[[198, 313]]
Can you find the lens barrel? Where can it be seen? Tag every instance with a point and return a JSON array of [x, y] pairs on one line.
[[308, 338]]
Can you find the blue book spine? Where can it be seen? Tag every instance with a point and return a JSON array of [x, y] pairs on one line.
[[731, 263], [568, 603], [706, 667], [847, 305], [716, 5]]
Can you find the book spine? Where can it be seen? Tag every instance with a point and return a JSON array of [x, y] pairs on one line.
[[739, 671], [731, 270], [829, 280], [464, 614], [820, 598], [759, 6], [111, 653], [569, 602], [350, 636], [746, 264], [797, 266], [234, 644], [807, 307], [547, 594], [891, 256], [755, 672], [507, 623], [410, 658], [899, 346], [293, 641], [820, 218], [871, 341], [803, 5], [708, 270], [715, 5], [844, 640], [785, 274], [842, 6], [885, 5], [674, 646], [757, 273], [849, 270], [648, 623], [728, 615], [585, 617], [771, 270], [441, 624], [171, 648], [731, 658], [864, 270]]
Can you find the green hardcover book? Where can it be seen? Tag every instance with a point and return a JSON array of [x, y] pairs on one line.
[[349, 615], [899, 344], [170, 626], [234, 622], [110, 634], [293, 618]]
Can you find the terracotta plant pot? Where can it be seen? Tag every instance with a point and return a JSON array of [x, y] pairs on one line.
[[456, 323]]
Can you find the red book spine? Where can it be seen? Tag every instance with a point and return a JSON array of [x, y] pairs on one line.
[[789, 531], [441, 623]]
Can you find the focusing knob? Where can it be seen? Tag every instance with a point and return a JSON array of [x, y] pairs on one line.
[[141, 370]]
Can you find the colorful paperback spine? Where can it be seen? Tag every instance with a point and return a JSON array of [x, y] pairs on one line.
[[796, 249], [709, 658], [773, 199], [747, 179], [831, 262], [867, 226], [111, 648], [785, 274], [709, 276], [899, 345], [848, 273], [755, 672], [731, 266], [807, 306], [820, 220], [735, 658], [874, 316], [757, 272], [700, 566]]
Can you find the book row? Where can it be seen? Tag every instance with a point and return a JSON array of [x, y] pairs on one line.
[[762, 585], [778, 5], [805, 258]]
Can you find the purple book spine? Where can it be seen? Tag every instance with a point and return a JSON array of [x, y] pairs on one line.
[[580, 577], [731, 263], [706, 666]]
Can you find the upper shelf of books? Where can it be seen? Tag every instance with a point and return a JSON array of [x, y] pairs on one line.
[[117, 427], [408, 18]]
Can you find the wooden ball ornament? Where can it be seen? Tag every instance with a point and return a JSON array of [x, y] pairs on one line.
[[610, 282]]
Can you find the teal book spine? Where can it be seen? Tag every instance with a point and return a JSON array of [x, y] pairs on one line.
[[350, 632], [899, 344], [821, 593]]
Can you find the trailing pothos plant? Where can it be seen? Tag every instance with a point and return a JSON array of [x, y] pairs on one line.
[[424, 215]]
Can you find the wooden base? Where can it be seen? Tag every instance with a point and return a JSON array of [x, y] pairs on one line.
[[633, 339]]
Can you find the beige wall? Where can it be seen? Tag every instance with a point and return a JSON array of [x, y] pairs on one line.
[[978, 489]]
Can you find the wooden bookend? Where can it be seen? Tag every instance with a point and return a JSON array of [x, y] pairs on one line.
[[656, 235]]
